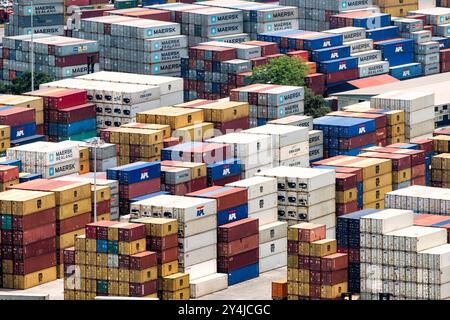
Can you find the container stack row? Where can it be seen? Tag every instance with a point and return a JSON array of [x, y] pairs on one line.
[[315, 270], [28, 232]]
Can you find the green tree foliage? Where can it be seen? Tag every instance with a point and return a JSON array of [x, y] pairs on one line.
[[291, 71], [22, 84]]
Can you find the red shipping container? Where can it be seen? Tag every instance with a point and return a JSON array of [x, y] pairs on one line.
[[330, 278], [124, 261], [418, 181], [418, 171], [73, 223], [315, 290], [91, 230], [314, 233], [226, 197], [445, 67], [162, 243], [335, 261], [314, 277], [23, 238], [424, 144], [102, 207], [7, 252], [341, 76], [143, 260], [399, 161], [301, 54], [222, 182], [238, 246], [102, 228], [17, 116], [34, 220], [7, 237], [314, 264], [132, 232], [34, 264], [230, 263], [143, 289], [260, 61], [130, 191], [292, 247], [198, 184], [77, 59], [345, 181], [177, 189], [232, 126], [69, 256], [34, 249], [77, 113], [167, 255], [417, 156], [237, 229], [348, 207], [358, 141], [353, 255], [267, 48], [8, 173]]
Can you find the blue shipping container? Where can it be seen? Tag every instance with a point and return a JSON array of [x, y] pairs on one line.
[[148, 196], [344, 127], [444, 43], [232, 214], [29, 177], [222, 169], [395, 47], [76, 127], [140, 172], [102, 246], [380, 20], [113, 173], [381, 34], [23, 131], [400, 59], [243, 274], [16, 163], [330, 53], [407, 71], [26, 140], [322, 41]]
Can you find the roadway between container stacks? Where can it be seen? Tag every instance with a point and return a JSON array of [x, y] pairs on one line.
[[256, 289]]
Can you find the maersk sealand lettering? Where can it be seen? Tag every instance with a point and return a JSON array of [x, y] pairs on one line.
[[228, 17], [357, 3], [164, 30], [226, 29], [283, 14]]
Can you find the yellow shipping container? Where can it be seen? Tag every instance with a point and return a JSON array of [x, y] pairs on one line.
[[113, 288], [196, 132], [84, 167], [376, 194], [396, 130], [304, 248], [346, 196], [36, 103], [102, 260], [73, 209], [292, 261], [5, 186], [102, 273], [394, 3], [124, 289], [371, 167], [8, 266], [34, 279], [174, 117], [441, 143], [150, 126], [374, 205], [80, 243], [91, 258], [124, 275], [399, 11], [323, 247], [141, 276], [5, 144], [91, 272], [198, 170], [292, 288], [113, 274], [69, 294], [80, 257], [183, 294], [303, 289], [395, 117], [149, 151], [175, 282], [401, 176], [292, 297], [132, 247], [28, 202], [229, 111], [68, 239], [84, 153], [398, 139], [73, 192], [80, 295], [331, 292], [8, 281], [168, 268], [303, 275], [292, 274], [5, 132], [113, 231]]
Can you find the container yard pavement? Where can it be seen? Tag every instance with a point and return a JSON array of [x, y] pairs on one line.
[[255, 289]]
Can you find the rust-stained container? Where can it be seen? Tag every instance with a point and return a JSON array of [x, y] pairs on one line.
[[132, 232], [227, 264], [336, 261], [23, 238], [74, 223], [35, 249], [238, 229], [279, 289], [238, 246], [162, 243], [143, 260], [34, 220], [226, 197], [34, 264]]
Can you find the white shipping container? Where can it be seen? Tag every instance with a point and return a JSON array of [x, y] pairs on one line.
[[187, 259], [272, 231], [417, 238], [328, 220], [349, 33], [256, 186], [265, 217], [435, 258], [319, 210], [243, 144], [386, 221], [262, 203], [272, 247], [306, 199], [300, 161], [295, 120], [273, 262], [201, 270], [282, 136], [209, 284], [197, 226], [197, 241]]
